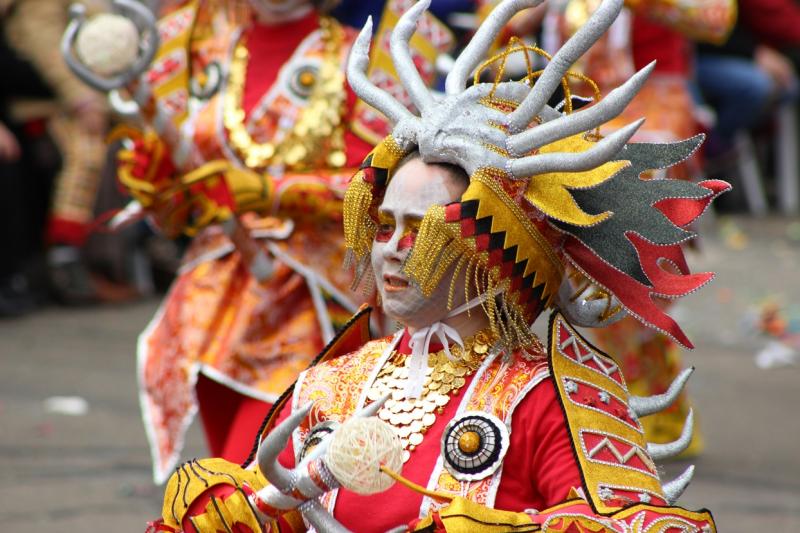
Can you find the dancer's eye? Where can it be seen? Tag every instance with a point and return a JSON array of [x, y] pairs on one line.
[[386, 227], [384, 233]]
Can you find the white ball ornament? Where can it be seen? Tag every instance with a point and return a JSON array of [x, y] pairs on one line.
[[357, 451], [108, 44]]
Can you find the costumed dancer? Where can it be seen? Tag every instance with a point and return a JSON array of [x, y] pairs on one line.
[[466, 216], [78, 123], [646, 31], [249, 138]]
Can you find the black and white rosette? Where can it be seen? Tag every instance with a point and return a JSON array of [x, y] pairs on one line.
[[486, 458]]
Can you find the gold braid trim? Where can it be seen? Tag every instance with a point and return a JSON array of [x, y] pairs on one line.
[[609, 444], [515, 45], [359, 227], [359, 204], [435, 249], [389, 155], [439, 249]]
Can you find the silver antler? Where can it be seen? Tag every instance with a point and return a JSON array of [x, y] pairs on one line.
[[588, 306], [675, 488], [480, 43], [561, 62], [272, 445], [647, 405], [671, 449], [458, 128], [401, 57], [595, 156], [357, 78], [584, 120], [320, 518], [123, 106], [146, 24]]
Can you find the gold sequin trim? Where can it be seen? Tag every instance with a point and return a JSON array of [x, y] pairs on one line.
[[317, 136]]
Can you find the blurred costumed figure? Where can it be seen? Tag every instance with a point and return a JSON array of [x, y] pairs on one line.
[[247, 138], [780, 326], [77, 119], [648, 31], [466, 217]]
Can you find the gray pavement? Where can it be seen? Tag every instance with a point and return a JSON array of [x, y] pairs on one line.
[[92, 472]]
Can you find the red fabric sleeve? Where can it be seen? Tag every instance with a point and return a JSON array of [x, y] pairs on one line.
[[541, 447], [776, 22], [230, 419]]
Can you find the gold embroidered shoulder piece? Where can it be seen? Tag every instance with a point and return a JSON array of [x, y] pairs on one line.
[[606, 435]]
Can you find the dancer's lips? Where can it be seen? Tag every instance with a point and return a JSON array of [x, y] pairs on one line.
[[394, 283]]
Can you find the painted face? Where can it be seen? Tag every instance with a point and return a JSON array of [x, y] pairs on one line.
[[275, 11], [415, 188]]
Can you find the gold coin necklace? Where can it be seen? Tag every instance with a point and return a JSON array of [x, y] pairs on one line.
[[412, 417]]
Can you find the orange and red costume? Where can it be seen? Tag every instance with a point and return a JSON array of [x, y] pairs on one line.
[[258, 296], [580, 463]]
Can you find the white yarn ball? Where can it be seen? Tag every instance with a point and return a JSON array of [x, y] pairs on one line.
[[357, 451], [108, 44]]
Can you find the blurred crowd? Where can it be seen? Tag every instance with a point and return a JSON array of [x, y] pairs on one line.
[[57, 178]]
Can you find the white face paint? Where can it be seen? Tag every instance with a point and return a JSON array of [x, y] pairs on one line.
[[277, 11], [413, 189]]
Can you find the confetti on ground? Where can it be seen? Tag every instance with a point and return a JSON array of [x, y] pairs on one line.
[[725, 295], [775, 355], [66, 405], [793, 231], [733, 236]]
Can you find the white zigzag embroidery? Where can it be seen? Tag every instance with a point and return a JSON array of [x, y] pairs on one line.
[[608, 444], [572, 340]]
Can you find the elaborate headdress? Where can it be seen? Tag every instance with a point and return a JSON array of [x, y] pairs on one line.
[[545, 189]]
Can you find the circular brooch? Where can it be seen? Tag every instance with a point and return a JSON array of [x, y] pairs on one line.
[[303, 80], [473, 445], [317, 434]]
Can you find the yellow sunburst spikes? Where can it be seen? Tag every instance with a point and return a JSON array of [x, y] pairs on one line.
[[550, 192]]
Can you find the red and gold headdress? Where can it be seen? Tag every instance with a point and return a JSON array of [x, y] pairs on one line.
[[545, 190]]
